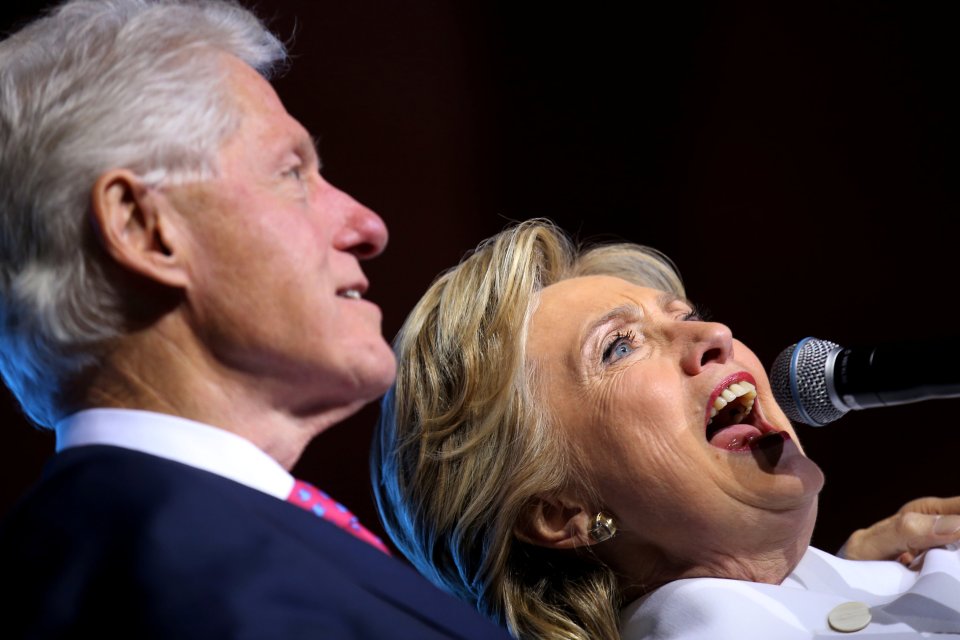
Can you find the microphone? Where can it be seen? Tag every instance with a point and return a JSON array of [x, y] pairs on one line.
[[817, 381]]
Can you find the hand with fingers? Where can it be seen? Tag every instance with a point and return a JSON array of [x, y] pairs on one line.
[[919, 525]]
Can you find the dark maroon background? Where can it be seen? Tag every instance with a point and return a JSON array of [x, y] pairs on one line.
[[798, 163]]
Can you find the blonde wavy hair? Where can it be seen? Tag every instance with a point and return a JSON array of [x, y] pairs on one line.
[[463, 446]]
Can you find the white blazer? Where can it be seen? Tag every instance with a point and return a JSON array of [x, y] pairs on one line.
[[903, 603]]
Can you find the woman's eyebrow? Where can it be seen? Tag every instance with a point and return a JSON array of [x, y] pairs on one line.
[[622, 311], [666, 299]]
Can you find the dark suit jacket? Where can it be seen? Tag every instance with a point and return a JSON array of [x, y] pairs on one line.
[[117, 543]]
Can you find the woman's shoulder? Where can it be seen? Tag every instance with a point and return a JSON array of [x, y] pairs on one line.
[[712, 609], [899, 599]]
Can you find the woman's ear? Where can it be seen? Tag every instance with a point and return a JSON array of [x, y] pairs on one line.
[[135, 225], [555, 523]]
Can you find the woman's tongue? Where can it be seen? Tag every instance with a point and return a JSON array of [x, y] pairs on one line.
[[735, 437]]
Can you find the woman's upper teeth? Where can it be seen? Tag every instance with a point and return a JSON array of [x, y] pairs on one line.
[[351, 293], [743, 390]]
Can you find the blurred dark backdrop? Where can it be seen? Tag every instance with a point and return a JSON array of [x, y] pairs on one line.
[[798, 162]]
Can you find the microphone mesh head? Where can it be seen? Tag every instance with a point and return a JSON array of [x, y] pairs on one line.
[[799, 381]]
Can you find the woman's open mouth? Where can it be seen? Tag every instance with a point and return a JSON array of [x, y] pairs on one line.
[[732, 423]]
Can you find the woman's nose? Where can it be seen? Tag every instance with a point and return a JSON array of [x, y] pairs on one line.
[[706, 343]]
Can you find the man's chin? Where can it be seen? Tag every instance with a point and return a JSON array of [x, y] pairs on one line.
[[371, 377], [382, 372]]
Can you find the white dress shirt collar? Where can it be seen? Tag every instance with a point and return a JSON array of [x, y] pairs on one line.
[[192, 443]]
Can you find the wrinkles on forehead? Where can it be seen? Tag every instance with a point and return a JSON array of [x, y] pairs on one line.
[[573, 318]]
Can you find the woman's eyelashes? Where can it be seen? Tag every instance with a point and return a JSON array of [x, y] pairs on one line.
[[695, 314], [621, 345], [625, 341]]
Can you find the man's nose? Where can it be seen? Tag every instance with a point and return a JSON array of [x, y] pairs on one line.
[[362, 232]]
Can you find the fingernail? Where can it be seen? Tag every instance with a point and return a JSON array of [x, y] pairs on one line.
[[946, 525]]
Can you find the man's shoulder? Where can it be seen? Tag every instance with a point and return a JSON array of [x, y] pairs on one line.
[[107, 525], [100, 479], [107, 493], [101, 494]]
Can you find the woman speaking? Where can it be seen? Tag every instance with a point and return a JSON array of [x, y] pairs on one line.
[[572, 449]]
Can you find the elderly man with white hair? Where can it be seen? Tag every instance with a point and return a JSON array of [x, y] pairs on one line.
[[181, 299]]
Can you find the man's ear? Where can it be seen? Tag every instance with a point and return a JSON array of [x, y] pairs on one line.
[[555, 523], [135, 225]]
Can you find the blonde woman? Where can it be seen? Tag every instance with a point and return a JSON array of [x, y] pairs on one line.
[[554, 452]]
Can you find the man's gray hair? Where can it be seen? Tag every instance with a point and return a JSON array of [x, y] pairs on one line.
[[96, 85]]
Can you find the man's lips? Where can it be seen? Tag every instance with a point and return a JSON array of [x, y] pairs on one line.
[[353, 291]]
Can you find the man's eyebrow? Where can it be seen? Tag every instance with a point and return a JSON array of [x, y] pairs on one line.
[[309, 148]]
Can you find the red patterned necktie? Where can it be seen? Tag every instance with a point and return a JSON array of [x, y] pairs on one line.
[[308, 497]]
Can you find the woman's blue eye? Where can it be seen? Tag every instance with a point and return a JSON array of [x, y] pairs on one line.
[[622, 346]]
